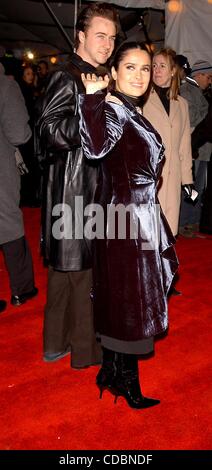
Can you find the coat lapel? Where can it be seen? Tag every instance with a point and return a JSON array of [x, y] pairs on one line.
[[174, 106], [154, 98]]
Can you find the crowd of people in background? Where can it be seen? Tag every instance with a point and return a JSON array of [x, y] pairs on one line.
[[21, 174], [32, 80], [14, 131], [195, 87], [148, 141]]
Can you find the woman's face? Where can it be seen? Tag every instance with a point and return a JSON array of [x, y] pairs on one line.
[[162, 73], [28, 75], [133, 74]]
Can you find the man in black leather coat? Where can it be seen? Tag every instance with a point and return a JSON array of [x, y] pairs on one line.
[[71, 182]]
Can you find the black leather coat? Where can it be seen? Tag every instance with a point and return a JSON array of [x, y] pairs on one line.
[[69, 174]]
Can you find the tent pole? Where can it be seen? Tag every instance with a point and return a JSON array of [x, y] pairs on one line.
[[58, 24], [75, 15]]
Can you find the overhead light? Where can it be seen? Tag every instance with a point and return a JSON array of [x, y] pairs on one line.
[[30, 55], [53, 59], [175, 6]]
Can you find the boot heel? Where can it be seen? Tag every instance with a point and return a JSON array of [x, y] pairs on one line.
[[126, 383], [105, 376], [115, 399], [101, 390]]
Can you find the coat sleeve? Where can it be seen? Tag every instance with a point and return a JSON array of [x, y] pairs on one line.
[[14, 116], [197, 104], [202, 132], [101, 125], [185, 147], [58, 123]]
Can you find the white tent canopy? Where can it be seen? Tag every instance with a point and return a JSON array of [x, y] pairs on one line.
[[189, 30], [158, 4]]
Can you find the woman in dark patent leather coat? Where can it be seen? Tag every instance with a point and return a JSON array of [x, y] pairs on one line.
[[131, 277]]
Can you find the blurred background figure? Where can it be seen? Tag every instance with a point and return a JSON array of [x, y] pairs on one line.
[[30, 182], [42, 77], [183, 66], [202, 134], [192, 90], [2, 68], [14, 130]]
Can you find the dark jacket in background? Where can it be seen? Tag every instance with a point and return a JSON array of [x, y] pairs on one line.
[[14, 130], [202, 132]]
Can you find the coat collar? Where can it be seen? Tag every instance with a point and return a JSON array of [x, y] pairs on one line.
[[174, 106], [127, 102], [137, 117], [85, 67]]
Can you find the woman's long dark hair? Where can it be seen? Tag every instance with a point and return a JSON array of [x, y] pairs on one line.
[[119, 56]]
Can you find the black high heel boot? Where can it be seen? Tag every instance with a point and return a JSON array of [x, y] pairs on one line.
[[126, 382], [105, 376]]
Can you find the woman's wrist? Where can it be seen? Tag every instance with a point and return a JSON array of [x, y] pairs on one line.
[[91, 89]]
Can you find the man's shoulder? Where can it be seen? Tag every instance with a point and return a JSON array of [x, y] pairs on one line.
[[73, 70], [190, 89], [8, 87], [191, 82], [5, 82], [66, 73], [181, 100], [60, 78]]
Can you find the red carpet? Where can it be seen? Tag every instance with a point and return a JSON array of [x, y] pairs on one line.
[[51, 406]]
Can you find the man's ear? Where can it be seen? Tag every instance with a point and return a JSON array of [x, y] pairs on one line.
[[114, 73], [81, 36]]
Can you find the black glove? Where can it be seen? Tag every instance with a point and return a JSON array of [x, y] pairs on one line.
[[189, 194], [188, 189]]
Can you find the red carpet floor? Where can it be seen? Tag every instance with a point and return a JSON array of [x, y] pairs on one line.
[[51, 406]]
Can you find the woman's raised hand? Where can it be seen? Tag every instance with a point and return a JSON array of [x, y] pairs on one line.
[[92, 83]]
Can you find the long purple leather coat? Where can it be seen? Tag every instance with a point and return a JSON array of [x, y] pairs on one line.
[[130, 281]]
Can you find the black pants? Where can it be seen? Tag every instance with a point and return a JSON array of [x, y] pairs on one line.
[[18, 260], [206, 214], [68, 319]]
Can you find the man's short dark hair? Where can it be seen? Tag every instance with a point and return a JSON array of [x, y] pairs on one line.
[[103, 10], [43, 62]]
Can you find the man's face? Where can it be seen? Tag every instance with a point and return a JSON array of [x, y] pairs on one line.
[[203, 80], [97, 43], [42, 70]]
